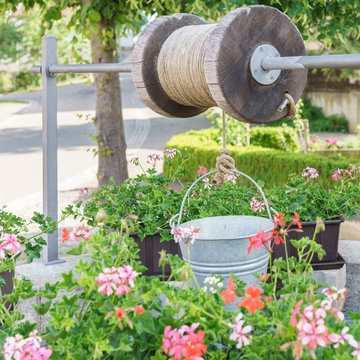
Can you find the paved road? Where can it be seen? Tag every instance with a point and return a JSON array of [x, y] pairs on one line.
[[20, 141]]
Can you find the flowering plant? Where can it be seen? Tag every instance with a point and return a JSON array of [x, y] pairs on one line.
[[232, 198], [304, 195], [147, 196], [13, 237], [115, 313]]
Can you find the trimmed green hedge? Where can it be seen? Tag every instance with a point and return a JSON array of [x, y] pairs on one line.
[[268, 165], [280, 138]]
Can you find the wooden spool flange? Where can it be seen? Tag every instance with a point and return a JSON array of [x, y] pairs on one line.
[[226, 64]]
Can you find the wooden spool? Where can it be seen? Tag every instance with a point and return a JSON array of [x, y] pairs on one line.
[[226, 64]]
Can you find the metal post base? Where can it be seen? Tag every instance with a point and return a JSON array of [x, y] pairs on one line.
[[54, 262]]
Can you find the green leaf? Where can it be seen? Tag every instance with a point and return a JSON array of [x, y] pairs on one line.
[[125, 344], [68, 282], [145, 323], [94, 15], [43, 308], [77, 250], [354, 315]]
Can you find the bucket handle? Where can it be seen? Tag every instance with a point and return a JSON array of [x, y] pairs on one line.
[[179, 215]]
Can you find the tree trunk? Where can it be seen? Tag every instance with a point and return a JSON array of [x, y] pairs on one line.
[[108, 119]]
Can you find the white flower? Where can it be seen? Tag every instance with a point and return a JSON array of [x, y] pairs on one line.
[[207, 183], [231, 178], [240, 333], [310, 172]]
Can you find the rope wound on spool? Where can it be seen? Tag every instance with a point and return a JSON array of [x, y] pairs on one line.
[[181, 65]]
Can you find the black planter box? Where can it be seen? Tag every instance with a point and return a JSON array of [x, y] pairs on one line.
[[329, 239], [6, 289], [149, 253]]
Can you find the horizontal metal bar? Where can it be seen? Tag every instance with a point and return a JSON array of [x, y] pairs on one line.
[[311, 62], [36, 69], [85, 68], [90, 68]]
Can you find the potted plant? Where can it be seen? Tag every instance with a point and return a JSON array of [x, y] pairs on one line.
[[121, 315], [13, 241], [303, 195], [150, 198]]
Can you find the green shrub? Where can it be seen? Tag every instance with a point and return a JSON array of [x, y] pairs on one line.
[[281, 137], [268, 165], [318, 121]]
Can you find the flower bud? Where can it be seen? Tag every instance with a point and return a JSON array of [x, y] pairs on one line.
[[185, 273], [163, 260], [320, 225], [101, 216], [263, 277]]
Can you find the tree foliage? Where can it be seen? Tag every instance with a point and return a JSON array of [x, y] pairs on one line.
[[104, 21], [328, 21]]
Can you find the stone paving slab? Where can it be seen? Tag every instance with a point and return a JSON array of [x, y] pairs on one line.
[[350, 251]]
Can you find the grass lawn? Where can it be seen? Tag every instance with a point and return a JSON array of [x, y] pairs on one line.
[[13, 101]]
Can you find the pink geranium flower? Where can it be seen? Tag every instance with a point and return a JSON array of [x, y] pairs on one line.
[[118, 280], [356, 345], [187, 235], [153, 158], [201, 171], [127, 274], [256, 205], [19, 348], [10, 243], [312, 335], [337, 174], [240, 333], [310, 173], [344, 337], [78, 233], [259, 240], [231, 178], [295, 313], [170, 153], [184, 343]]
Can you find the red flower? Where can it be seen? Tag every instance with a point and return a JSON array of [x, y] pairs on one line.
[[196, 347], [65, 235], [276, 237], [119, 313], [296, 221], [252, 300], [229, 295], [279, 220], [139, 310], [258, 240]]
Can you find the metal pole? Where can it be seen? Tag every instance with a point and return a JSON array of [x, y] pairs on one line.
[[85, 68], [90, 68], [49, 124], [311, 62]]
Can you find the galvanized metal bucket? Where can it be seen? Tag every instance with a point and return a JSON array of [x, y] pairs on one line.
[[221, 247]]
